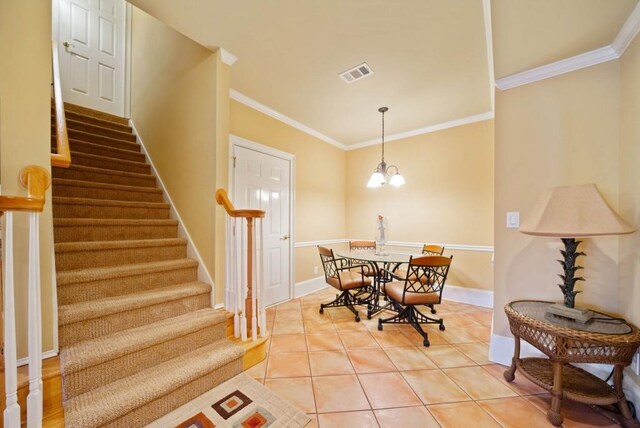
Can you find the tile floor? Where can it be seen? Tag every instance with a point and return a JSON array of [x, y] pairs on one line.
[[348, 374]]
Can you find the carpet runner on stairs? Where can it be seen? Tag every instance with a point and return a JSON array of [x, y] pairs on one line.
[[137, 335]]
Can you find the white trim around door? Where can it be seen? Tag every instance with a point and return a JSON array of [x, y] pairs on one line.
[[235, 141]]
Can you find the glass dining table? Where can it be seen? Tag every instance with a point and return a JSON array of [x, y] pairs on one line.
[[381, 264]]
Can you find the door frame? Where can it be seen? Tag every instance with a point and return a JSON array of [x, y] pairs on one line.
[[235, 141], [128, 17]]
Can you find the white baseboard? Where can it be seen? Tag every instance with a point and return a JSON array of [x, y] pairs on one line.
[[192, 250], [471, 296], [47, 354], [501, 352], [303, 288]]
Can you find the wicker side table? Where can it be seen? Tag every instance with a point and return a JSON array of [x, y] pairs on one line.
[[602, 341]]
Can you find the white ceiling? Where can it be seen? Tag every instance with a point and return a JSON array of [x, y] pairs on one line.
[[429, 57]]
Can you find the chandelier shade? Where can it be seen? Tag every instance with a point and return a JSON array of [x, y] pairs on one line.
[[385, 173]]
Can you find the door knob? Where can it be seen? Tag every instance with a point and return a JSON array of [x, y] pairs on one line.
[[285, 237], [67, 45]]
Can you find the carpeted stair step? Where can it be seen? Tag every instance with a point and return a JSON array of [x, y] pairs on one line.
[[96, 254], [83, 285], [95, 113], [96, 363], [100, 208], [101, 139], [99, 130], [114, 164], [89, 229], [78, 146], [101, 175], [115, 192], [71, 115], [90, 320], [139, 399]]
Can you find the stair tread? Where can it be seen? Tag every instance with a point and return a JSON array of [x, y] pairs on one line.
[[74, 108], [111, 245], [77, 312], [134, 146], [76, 276], [113, 222], [73, 142], [91, 352], [87, 119], [71, 122], [99, 185], [93, 169], [107, 158], [70, 200], [104, 404]]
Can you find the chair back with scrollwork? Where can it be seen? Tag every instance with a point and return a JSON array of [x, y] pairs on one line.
[[432, 250], [362, 245], [427, 274], [329, 264]]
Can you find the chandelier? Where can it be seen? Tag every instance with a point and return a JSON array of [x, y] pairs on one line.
[[385, 173]]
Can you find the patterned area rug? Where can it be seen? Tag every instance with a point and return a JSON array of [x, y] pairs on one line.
[[239, 402]]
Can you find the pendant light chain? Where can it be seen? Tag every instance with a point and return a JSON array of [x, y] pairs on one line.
[[383, 135]]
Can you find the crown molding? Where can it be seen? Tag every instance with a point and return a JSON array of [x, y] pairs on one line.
[[250, 102], [557, 68], [628, 32], [227, 57], [426, 130]]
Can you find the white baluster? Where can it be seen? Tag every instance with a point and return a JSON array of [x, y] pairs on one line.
[[263, 313], [243, 285], [34, 399], [254, 285], [235, 279], [11, 415]]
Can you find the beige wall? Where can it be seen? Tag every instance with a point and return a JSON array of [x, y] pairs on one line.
[[629, 253], [173, 107], [319, 182], [448, 197], [558, 131], [25, 100]]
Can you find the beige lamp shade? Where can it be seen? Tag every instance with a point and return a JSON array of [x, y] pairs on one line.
[[573, 212]]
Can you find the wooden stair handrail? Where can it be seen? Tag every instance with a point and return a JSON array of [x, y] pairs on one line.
[[223, 199], [36, 180], [63, 156]]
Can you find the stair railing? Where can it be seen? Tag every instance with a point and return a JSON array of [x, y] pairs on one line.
[[62, 157], [244, 293], [36, 180]]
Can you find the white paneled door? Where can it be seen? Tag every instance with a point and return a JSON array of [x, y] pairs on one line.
[[262, 181], [91, 46]]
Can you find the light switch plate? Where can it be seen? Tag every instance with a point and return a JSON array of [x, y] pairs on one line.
[[513, 219]]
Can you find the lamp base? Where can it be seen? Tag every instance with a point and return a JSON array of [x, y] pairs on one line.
[[581, 315]]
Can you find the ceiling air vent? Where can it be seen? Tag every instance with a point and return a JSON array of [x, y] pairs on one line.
[[356, 73]]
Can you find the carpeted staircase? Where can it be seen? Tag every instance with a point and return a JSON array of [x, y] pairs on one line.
[[137, 335]]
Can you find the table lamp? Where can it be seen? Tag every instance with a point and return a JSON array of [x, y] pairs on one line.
[[570, 212]]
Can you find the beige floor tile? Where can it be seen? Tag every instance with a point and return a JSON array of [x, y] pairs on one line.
[[370, 361], [417, 339], [325, 341], [342, 313], [478, 383], [291, 304], [349, 325], [330, 363], [339, 394], [406, 417], [458, 415], [459, 320], [484, 318], [576, 415], [286, 327], [391, 339], [461, 335], [387, 390], [292, 315], [297, 391], [478, 352], [520, 384], [446, 356], [358, 340], [288, 343], [289, 364], [314, 421], [258, 371], [434, 387], [364, 419], [409, 359], [312, 327], [515, 412]]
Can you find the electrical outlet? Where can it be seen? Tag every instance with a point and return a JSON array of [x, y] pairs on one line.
[[513, 219], [635, 363], [315, 270]]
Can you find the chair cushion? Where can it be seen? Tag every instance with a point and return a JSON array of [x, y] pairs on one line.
[[349, 279], [395, 290]]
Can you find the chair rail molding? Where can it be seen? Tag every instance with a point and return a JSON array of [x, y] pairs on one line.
[[455, 247]]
